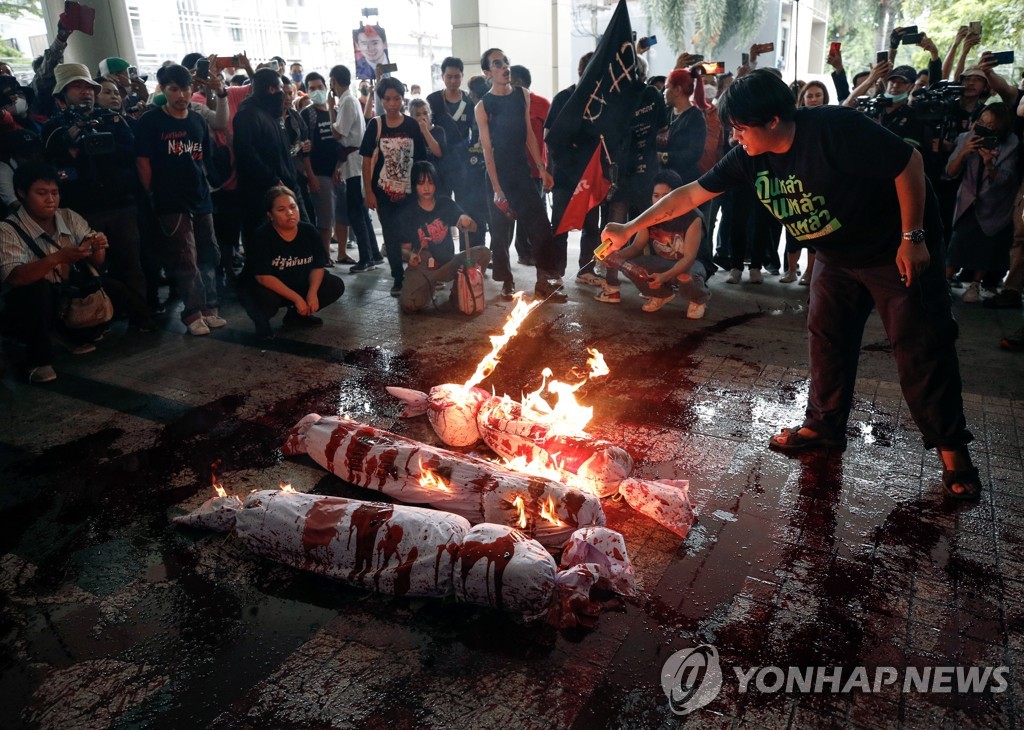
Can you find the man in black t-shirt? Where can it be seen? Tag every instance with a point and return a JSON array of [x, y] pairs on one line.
[[857, 193], [171, 142]]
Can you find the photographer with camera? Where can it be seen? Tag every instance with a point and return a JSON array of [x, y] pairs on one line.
[[94, 151], [985, 160]]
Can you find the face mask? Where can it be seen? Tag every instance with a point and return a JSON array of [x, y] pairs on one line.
[[710, 92], [20, 107], [318, 97], [297, 77], [897, 98]]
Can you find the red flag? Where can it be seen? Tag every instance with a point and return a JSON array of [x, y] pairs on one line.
[[590, 191]]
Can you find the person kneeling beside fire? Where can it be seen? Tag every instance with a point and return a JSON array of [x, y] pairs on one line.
[[430, 249], [677, 250]]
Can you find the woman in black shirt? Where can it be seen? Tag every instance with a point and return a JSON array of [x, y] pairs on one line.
[[284, 267]]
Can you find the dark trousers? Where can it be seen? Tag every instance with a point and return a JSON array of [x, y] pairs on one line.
[[531, 213], [393, 230], [359, 221], [192, 256], [227, 224], [746, 233], [30, 315], [591, 234], [124, 261], [921, 330], [261, 304], [470, 190], [524, 249]]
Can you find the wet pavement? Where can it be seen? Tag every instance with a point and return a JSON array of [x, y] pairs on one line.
[[111, 617]]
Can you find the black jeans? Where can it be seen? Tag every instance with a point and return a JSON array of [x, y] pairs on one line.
[[30, 315], [921, 329], [589, 238], [261, 304], [359, 220], [124, 258], [531, 214], [392, 228]]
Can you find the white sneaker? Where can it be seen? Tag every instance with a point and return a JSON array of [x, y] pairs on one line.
[[756, 277], [656, 303], [696, 311], [198, 327], [213, 321], [972, 294], [734, 276]]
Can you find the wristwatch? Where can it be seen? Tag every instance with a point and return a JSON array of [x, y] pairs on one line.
[[914, 236]]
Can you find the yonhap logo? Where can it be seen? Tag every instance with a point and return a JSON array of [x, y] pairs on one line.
[[691, 678]]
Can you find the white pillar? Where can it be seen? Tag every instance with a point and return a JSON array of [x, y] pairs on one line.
[[112, 36]]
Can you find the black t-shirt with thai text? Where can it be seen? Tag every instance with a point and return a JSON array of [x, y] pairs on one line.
[[432, 229], [175, 150], [267, 254], [834, 188]]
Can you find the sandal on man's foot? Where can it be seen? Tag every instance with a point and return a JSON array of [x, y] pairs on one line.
[[964, 485], [790, 439]]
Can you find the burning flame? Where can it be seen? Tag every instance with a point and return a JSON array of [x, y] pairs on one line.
[[520, 505], [498, 342], [547, 512], [429, 480], [286, 487], [598, 367], [214, 481]]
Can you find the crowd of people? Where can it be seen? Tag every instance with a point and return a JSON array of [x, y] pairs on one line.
[[235, 181]]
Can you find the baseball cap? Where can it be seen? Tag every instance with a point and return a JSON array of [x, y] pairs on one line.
[[906, 73]]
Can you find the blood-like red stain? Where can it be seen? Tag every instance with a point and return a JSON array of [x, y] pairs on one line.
[[338, 435], [358, 448], [366, 522], [573, 501], [322, 523], [498, 553], [388, 548], [403, 573], [452, 548], [386, 467]]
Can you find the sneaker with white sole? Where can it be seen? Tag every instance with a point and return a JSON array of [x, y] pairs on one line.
[[756, 277], [589, 279], [213, 321], [973, 293], [656, 303], [609, 295], [42, 374], [734, 276], [198, 327], [696, 311]]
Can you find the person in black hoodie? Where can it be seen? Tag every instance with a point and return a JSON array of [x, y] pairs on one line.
[[262, 149]]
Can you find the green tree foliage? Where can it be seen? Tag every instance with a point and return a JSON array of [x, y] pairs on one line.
[[716, 22], [17, 8], [9, 52], [1002, 25]]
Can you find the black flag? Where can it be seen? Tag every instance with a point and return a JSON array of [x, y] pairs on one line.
[[606, 94]]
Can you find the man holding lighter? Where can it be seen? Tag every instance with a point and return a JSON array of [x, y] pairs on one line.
[[858, 194]]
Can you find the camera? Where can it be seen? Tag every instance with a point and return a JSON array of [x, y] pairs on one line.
[[90, 140], [873, 106], [938, 102]]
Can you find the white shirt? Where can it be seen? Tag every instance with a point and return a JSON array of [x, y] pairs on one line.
[[71, 231], [349, 123]]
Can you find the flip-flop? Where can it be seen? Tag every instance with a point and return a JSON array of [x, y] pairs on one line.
[[790, 439]]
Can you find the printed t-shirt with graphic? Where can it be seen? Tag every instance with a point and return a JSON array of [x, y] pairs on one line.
[[667, 239], [400, 147], [290, 261], [175, 150], [834, 189], [432, 229]]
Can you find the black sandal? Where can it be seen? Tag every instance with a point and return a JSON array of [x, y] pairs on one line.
[[795, 441], [967, 479]]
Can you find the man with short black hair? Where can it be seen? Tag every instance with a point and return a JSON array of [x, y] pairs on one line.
[[171, 143], [847, 186]]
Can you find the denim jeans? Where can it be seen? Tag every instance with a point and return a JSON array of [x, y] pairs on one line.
[[921, 331], [192, 258]]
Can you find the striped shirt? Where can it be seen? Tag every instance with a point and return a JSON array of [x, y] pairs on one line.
[[71, 231]]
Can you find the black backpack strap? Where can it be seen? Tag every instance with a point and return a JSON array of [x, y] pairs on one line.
[[26, 238]]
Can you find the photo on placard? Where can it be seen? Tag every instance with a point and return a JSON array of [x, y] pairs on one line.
[[371, 48]]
